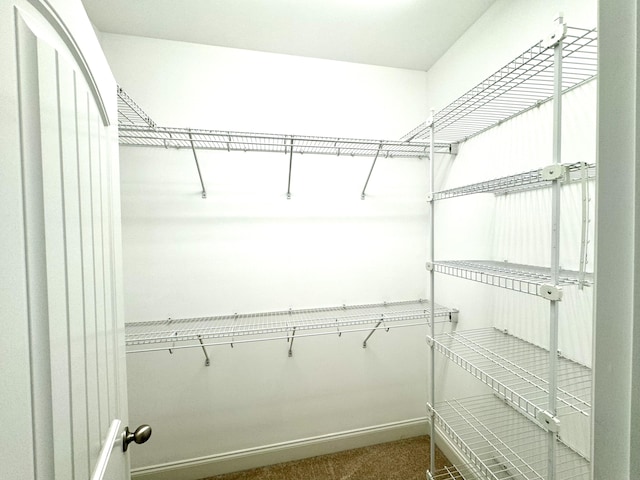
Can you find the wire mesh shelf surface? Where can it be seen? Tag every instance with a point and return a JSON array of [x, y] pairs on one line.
[[523, 83], [130, 114], [512, 276], [332, 319], [520, 182], [137, 129], [518, 370], [166, 137], [502, 444], [456, 472]]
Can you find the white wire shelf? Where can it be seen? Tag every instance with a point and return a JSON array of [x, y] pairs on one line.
[[268, 142], [512, 276], [137, 129], [518, 370], [523, 83], [520, 182], [130, 114], [456, 472], [501, 444], [230, 329]]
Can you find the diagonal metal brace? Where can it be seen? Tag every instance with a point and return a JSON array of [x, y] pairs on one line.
[[193, 149], [370, 171], [291, 342], [381, 321], [207, 362], [290, 165]]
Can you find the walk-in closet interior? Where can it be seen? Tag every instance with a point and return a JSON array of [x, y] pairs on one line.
[[327, 253]]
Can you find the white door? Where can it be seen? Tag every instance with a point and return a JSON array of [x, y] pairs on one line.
[[63, 400]]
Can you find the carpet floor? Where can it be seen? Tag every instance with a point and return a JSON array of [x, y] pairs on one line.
[[401, 460]]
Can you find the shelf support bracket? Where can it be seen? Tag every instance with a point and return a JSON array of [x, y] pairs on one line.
[[380, 322], [549, 421], [289, 183], [291, 342], [370, 171], [193, 149], [207, 361]]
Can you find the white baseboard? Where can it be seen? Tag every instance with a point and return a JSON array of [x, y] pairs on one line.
[[202, 467]]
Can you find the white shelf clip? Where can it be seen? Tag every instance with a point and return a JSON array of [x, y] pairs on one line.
[[429, 197], [550, 292], [549, 421], [553, 172], [430, 340], [557, 35], [429, 266]]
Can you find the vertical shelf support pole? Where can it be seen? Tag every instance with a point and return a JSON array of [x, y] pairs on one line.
[[193, 149], [370, 171], [290, 165], [557, 37], [432, 275]]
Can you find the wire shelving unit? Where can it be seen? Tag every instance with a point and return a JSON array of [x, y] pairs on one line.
[[512, 276], [524, 83], [243, 328], [518, 370], [514, 433], [501, 443]]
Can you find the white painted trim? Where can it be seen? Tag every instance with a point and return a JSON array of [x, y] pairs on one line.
[[107, 448], [237, 460]]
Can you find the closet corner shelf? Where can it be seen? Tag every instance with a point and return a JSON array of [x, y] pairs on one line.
[[530, 180], [137, 129], [518, 370], [512, 276], [499, 443], [522, 84], [244, 328]]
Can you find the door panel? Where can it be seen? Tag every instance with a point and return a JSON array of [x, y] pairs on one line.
[[66, 156]]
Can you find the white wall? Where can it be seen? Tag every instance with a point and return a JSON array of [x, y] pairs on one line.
[[246, 248]]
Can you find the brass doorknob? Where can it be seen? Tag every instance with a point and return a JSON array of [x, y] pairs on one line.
[[141, 435]]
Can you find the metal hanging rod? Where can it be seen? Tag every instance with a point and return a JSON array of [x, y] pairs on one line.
[[524, 83], [137, 129]]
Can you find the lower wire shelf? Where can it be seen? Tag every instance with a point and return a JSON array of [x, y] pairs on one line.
[[224, 330], [518, 370], [499, 443]]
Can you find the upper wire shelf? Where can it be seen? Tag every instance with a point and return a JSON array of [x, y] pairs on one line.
[[227, 329], [533, 179], [523, 83], [518, 370], [502, 444], [137, 129], [512, 276], [130, 114]]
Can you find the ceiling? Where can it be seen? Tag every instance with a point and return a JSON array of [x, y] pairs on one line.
[[409, 34]]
